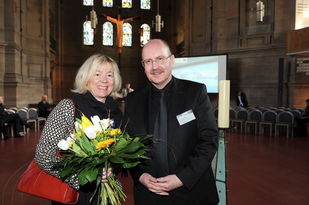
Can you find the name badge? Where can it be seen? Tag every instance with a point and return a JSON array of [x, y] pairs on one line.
[[185, 117]]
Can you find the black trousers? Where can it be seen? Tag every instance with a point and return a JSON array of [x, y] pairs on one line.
[[15, 120], [301, 126]]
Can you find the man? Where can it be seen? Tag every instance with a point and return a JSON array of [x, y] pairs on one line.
[[241, 99], [10, 118], [44, 107], [180, 116], [302, 122], [126, 90]]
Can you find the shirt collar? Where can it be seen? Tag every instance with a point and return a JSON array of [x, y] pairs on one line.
[[168, 87]]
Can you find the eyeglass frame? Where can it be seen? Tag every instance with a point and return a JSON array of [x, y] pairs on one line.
[[163, 60]]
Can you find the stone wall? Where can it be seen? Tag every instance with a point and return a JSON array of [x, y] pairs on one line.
[[254, 48], [24, 51]]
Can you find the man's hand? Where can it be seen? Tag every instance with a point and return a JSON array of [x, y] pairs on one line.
[[151, 184], [169, 182]]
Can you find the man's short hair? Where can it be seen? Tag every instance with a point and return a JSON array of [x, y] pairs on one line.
[[307, 101]]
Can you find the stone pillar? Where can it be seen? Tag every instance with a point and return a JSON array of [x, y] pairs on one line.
[[25, 51]]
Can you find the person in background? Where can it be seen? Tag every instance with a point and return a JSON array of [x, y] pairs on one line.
[[126, 90], [241, 99], [180, 116], [302, 122], [97, 84], [13, 118], [44, 107]]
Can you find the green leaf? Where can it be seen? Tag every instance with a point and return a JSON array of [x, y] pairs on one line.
[[116, 160], [86, 144], [66, 172], [87, 175], [135, 155], [122, 143], [92, 174], [129, 165], [132, 147], [82, 179], [79, 152]]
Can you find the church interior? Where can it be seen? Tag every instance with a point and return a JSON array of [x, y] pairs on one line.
[[43, 43]]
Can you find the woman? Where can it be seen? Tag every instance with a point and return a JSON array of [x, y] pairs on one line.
[[96, 84]]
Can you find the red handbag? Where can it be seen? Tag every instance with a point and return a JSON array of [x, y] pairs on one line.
[[39, 183]]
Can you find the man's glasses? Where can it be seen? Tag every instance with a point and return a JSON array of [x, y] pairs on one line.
[[159, 61]]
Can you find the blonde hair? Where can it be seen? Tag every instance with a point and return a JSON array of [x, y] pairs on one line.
[[88, 69]]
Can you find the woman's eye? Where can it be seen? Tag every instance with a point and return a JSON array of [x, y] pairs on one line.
[[110, 75], [97, 74]]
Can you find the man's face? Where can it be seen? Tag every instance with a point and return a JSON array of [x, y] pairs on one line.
[[158, 63]]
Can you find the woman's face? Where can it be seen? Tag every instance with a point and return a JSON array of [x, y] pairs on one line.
[[102, 83]]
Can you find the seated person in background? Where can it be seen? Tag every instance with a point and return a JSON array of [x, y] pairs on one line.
[[241, 99], [44, 107], [126, 90], [12, 119], [301, 123]]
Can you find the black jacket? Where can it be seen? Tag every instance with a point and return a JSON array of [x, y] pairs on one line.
[[192, 145]]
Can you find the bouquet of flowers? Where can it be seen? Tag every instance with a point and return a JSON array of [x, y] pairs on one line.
[[93, 146]]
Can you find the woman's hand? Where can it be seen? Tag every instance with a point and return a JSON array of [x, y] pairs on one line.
[[105, 174]]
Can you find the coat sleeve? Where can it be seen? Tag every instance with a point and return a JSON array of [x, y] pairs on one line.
[[206, 145], [136, 171], [59, 125]]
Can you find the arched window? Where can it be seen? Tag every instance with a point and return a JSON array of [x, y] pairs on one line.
[[88, 33], [127, 34], [108, 3], [145, 34], [88, 2], [145, 4], [107, 34], [126, 3]]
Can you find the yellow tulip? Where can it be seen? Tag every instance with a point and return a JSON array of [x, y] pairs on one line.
[[85, 122]]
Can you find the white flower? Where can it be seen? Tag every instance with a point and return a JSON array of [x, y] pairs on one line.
[[77, 126], [70, 141], [95, 119], [90, 132], [63, 145], [96, 123], [106, 123]]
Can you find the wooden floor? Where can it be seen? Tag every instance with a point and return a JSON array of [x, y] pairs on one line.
[[260, 170]]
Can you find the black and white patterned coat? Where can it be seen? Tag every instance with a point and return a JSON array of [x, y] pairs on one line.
[[59, 125]]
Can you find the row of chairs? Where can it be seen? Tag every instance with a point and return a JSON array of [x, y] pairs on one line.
[[30, 116], [261, 121]]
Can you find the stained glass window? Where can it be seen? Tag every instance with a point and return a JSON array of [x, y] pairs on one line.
[[145, 4], [88, 33], [88, 2], [145, 34], [108, 3], [127, 34], [126, 3], [108, 34]]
